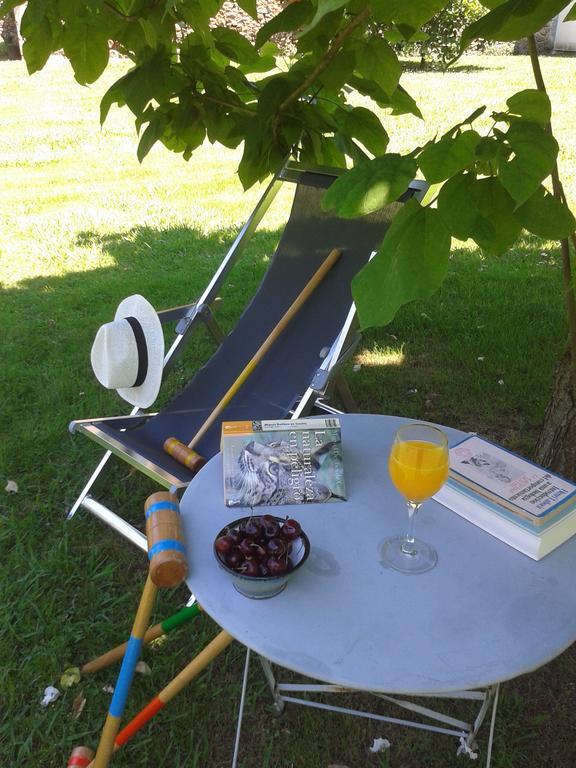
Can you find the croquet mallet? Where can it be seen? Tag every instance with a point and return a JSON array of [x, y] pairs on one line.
[[80, 757], [185, 453], [174, 687], [170, 624], [167, 569]]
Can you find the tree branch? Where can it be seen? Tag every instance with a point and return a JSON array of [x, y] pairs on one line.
[[324, 62], [569, 295]]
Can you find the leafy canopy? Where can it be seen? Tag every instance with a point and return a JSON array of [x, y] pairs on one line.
[[192, 79]]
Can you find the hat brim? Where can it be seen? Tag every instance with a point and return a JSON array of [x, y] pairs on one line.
[[137, 306]]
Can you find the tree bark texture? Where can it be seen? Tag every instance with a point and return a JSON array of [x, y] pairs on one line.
[[556, 446]]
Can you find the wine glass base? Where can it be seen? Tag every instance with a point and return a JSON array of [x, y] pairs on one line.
[[417, 557]]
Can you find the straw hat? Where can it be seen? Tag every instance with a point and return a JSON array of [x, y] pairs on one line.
[[128, 353]]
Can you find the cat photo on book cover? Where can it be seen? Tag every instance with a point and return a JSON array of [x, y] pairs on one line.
[[274, 473]]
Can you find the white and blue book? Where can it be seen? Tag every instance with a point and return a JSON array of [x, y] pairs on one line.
[[519, 502]]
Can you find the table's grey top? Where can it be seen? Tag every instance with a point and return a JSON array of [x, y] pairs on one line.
[[485, 613]]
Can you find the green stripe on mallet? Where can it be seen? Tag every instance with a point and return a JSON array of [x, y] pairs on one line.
[[163, 628]]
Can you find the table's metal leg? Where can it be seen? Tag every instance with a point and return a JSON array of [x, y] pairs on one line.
[[241, 709], [271, 680], [492, 724]]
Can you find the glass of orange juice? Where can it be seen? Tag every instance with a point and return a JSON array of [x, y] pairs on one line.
[[418, 467]]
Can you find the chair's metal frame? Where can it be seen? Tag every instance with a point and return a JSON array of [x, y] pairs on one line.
[[327, 379]]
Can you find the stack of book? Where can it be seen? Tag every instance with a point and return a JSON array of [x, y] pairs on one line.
[[524, 505]]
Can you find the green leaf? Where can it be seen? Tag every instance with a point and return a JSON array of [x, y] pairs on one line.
[[512, 20], [362, 124], [8, 5], [403, 104], [37, 45], [336, 74], [250, 7], [480, 209], [149, 31], [87, 48], [411, 264], [413, 13], [376, 61], [150, 136], [288, 20], [545, 216], [323, 9], [234, 45], [535, 151], [444, 158], [455, 204], [532, 105], [370, 186], [155, 79], [571, 15]]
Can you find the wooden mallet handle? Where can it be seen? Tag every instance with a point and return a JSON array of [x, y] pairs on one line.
[[174, 447]]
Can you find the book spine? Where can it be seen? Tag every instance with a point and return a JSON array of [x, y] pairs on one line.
[[511, 534], [519, 518]]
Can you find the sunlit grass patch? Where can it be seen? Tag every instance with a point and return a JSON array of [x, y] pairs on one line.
[[380, 356]]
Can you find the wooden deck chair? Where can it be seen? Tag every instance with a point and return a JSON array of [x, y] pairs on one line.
[[293, 378]]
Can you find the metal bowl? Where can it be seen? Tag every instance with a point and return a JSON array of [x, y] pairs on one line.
[[261, 587]]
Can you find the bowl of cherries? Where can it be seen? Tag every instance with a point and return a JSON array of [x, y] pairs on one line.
[[261, 553]]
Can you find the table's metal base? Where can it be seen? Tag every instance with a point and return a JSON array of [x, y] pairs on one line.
[[465, 732]]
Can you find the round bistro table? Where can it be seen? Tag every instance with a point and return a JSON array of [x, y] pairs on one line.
[[486, 613]]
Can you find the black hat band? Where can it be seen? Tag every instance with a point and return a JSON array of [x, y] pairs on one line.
[[141, 348]]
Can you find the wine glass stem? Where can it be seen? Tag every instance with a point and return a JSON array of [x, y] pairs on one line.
[[408, 547]]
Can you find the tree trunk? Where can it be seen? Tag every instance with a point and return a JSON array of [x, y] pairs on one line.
[[11, 32], [556, 446]]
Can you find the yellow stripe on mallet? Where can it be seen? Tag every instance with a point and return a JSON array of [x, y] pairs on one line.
[[185, 454]]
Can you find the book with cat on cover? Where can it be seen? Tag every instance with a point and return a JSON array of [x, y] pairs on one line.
[[521, 503], [279, 462]]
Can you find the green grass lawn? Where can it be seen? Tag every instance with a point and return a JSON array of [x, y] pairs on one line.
[[82, 225]]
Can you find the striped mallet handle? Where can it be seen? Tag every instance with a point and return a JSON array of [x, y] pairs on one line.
[[163, 628], [176, 449], [116, 710], [177, 684]]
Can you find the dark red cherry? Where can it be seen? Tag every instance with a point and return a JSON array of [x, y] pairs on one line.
[[291, 529], [235, 535], [234, 558], [251, 550], [249, 568], [271, 529], [276, 547], [224, 544], [277, 565], [252, 528]]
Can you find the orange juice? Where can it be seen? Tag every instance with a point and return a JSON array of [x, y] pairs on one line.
[[418, 469]]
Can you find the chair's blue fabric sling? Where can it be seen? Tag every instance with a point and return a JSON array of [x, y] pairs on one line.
[[286, 371]]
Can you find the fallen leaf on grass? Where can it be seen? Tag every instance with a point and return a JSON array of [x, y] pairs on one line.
[[11, 486], [143, 668], [78, 705], [50, 695], [70, 677]]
